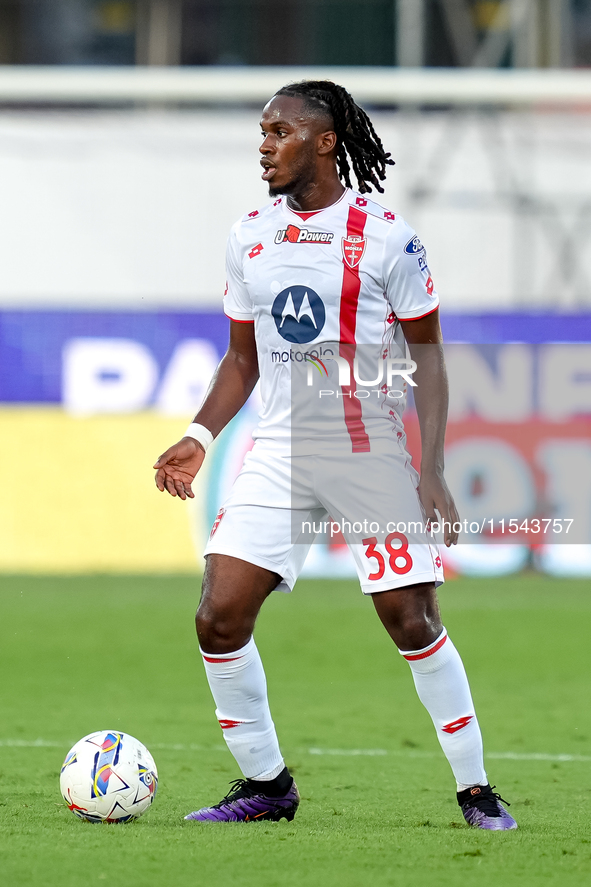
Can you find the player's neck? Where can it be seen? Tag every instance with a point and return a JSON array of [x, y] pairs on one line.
[[316, 195]]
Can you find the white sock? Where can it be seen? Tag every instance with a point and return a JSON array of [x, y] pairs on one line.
[[443, 689], [237, 682]]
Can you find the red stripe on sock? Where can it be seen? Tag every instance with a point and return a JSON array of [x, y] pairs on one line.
[[228, 723], [458, 724], [348, 322], [430, 652], [219, 659]]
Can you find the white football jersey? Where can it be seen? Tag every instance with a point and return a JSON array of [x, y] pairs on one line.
[[333, 283]]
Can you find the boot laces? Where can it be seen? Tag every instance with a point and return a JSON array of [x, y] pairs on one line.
[[239, 788], [487, 802]]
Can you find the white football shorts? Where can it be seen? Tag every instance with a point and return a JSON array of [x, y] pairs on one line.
[[280, 504]]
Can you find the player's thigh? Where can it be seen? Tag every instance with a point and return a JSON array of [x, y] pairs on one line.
[[260, 522], [270, 538]]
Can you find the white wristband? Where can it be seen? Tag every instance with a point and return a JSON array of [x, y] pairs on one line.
[[199, 433]]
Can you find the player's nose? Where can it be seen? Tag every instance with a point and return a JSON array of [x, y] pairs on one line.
[[266, 146]]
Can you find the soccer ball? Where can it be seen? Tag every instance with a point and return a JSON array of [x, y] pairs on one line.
[[108, 777]]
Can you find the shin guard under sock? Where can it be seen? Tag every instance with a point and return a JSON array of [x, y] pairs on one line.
[[239, 688], [443, 689]]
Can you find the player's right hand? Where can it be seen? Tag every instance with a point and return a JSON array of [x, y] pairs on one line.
[[177, 467]]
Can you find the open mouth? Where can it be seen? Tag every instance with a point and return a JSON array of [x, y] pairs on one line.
[[268, 170]]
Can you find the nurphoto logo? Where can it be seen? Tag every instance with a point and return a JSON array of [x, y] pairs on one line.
[[392, 367]]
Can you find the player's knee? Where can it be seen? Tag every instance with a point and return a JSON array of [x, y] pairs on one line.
[[207, 625], [219, 632], [416, 630]]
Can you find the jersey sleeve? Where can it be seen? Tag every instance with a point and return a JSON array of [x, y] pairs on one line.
[[408, 282], [237, 301]]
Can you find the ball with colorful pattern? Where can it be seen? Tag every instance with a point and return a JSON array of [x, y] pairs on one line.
[[108, 777]]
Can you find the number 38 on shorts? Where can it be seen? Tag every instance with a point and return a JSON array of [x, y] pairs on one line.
[[394, 550], [396, 561]]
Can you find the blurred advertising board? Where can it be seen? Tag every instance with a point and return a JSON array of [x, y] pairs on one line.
[[90, 398]]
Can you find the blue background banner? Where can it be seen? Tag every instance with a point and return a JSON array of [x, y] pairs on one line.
[[32, 342]]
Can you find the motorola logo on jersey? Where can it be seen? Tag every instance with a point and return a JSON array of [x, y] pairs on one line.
[[414, 247], [299, 314]]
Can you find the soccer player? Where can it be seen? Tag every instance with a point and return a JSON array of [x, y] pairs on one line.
[[325, 271]]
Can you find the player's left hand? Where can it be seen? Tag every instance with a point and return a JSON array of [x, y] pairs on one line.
[[177, 467], [435, 496]]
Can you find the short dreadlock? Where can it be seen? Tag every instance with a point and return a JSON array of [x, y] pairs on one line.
[[354, 130]]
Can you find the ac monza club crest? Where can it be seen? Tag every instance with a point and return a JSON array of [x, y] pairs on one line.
[[353, 249], [217, 522]]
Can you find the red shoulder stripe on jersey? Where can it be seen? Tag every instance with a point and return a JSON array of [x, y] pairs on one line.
[[348, 323], [238, 321], [351, 281], [405, 319], [427, 653]]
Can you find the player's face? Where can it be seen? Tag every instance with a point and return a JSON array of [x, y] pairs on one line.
[[290, 142]]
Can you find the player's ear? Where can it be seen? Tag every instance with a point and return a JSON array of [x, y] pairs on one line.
[[327, 142]]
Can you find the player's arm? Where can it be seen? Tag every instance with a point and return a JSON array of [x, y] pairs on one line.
[[431, 399], [230, 388]]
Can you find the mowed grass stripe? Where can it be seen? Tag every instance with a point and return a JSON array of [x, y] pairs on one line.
[[347, 752], [84, 653]]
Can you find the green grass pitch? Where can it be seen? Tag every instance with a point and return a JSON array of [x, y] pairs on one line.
[[81, 654]]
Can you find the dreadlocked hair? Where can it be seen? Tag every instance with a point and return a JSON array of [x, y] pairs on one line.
[[354, 130]]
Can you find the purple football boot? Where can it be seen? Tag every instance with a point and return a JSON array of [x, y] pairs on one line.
[[247, 803], [482, 808]]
